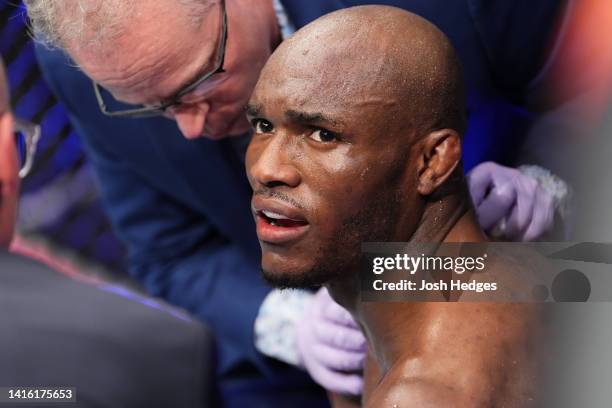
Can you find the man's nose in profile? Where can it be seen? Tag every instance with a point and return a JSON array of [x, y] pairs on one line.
[[273, 167], [191, 119]]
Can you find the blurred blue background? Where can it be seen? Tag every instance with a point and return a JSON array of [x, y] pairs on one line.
[[60, 207]]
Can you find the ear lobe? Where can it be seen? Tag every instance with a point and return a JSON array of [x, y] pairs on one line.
[[440, 155]]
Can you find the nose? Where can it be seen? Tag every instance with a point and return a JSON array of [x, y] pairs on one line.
[[272, 163], [191, 119]]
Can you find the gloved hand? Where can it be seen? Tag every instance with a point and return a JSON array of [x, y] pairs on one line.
[[331, 345], [511, 202]]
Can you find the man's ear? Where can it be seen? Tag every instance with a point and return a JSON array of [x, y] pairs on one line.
[[9, 180], [439, 156], [9, 165]]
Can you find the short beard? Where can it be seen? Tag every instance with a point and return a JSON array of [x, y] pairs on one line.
[[311, 279], [373, 223]]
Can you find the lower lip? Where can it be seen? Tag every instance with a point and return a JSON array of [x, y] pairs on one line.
[[272, 234]]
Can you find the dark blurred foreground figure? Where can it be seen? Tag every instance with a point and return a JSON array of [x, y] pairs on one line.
[[117, 351], [370, 150]]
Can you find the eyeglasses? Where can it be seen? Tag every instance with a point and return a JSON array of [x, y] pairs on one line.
[[27, 135], [160, 109]]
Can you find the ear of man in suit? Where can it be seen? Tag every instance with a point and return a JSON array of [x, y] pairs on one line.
[[9, 178]]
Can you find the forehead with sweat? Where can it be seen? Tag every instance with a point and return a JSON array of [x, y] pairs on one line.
[[377, 58]]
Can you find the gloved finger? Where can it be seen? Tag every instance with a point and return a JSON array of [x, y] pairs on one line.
[[341, 337], [319, 302], [522, 213], [543, 216], [341, 383], [338, 359], [496, 205], [479, 180], [335, 313]]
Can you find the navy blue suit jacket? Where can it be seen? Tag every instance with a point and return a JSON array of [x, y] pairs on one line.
[[183, 207]]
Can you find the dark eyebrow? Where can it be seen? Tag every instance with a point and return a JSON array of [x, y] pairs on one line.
[[309, 118], [253, 110]]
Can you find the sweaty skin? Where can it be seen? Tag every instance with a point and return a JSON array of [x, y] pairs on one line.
[[358, 121]]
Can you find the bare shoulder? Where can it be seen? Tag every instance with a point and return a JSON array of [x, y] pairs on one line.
[[454, 381], [465, 354], [395, 392]]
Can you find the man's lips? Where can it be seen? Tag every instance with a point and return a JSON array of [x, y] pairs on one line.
[[278, 222]]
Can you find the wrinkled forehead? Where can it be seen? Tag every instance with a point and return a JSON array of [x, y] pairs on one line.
[[341, 79], [145, 64]]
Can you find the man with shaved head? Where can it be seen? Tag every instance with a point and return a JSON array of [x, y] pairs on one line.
[[358, 120]]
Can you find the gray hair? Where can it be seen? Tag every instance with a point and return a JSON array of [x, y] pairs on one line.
[[56, 23]]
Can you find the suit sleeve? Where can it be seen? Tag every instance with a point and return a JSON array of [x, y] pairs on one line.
[[179, 256], [174, 251]]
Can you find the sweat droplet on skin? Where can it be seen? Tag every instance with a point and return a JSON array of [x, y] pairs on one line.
[[363, 173]]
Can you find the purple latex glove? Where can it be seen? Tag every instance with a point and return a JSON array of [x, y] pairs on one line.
[[331, 345], [511, 202]]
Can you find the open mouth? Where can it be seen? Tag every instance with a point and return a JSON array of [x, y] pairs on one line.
[[276, 228], [279, 220]]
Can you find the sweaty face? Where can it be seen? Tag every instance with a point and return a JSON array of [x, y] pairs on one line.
[[147, 66], [329, 168]]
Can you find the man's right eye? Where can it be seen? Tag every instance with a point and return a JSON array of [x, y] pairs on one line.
[[262, 126]]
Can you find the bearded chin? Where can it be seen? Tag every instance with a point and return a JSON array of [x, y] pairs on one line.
[[338, 256], [308, 279]]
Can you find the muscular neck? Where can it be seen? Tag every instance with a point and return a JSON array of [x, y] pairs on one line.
[[447, 217]]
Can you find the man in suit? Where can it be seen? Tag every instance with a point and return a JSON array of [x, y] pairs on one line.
[[182, 207], [114, 349]]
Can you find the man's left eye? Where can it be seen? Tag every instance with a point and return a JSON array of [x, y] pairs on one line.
[[324, 136]]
